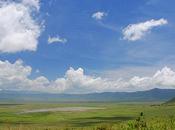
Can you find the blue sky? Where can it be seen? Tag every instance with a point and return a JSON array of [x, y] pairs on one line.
[[97, 45]]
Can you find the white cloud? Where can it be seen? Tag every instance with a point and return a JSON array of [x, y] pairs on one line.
[[56, 39], [32, 3], [99, 15], [19, 31], [137, 31], [164, 77], [16, 76]]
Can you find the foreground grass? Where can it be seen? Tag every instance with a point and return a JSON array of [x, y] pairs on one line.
[[115, 116]]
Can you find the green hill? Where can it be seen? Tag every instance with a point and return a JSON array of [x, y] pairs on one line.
[[171, 101]]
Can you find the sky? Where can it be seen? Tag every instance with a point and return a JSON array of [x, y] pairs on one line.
[[75, 46]]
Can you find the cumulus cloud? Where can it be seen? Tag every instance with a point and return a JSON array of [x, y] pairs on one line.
[[56, 39], [32, 3], [137, 31], [16, 76], [164, 78], [99, 15], [19, 31]]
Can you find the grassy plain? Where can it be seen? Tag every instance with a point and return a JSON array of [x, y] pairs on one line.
[[113, 116]]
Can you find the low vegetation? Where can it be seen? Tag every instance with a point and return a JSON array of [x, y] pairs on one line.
[[114, 116]]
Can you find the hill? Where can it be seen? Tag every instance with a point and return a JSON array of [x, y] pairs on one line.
[[171, 101], [142, 96]]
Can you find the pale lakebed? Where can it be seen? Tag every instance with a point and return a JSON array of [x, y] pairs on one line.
[[63, 109]]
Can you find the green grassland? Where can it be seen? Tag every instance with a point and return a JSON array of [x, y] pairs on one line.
[[114, 116]]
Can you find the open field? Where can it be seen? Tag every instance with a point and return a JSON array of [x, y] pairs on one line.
[[51, 116]]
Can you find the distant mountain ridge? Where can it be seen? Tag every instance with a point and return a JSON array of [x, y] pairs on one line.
[[149, 95]]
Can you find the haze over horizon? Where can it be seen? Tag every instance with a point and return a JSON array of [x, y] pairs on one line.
[[82, 47]]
